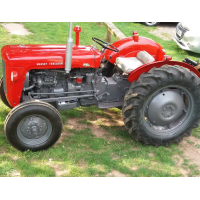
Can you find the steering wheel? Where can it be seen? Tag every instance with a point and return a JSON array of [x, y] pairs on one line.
[[105, 45]]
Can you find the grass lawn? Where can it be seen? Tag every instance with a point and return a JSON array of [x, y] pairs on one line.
[[94, 142]]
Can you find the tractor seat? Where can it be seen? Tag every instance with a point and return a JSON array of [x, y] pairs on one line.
[[127, 65]]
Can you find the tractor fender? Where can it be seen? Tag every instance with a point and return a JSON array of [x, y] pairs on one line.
[[130, 48], [135, 74]]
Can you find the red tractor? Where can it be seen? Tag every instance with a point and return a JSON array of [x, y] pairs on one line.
[[159, 97]]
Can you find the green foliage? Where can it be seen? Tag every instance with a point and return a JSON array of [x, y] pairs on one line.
[[196, 133], [197, 146], [190, 142]]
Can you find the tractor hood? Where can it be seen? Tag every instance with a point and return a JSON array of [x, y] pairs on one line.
[[49, 56]]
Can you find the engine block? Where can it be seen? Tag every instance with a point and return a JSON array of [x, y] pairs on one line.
[[82, 88]]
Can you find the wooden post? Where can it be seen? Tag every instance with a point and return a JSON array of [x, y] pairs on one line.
[[108, 36], [113, 30]]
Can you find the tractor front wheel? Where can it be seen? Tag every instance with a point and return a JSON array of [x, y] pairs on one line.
[[162, 106], [2, 94], [33, 125]]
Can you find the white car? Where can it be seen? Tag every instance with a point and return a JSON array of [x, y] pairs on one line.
[[151, 23], [187, 36]]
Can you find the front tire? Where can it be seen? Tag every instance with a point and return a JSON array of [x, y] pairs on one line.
[[2, 94], [33, 125], [162, 106]]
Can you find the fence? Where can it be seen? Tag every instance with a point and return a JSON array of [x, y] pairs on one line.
[[112, 30]]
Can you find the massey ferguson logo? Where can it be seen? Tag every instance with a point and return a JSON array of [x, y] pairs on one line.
[[86, 65], [49, 63]]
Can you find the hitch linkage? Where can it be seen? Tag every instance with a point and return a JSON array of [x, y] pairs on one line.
[[191, 62]]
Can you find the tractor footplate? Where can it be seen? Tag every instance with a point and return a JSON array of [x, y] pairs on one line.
[[104, 105]]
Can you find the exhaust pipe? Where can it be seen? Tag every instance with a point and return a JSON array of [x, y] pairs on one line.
[[68, 58]]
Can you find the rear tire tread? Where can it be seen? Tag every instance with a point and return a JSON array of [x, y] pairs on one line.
[[146, 81]]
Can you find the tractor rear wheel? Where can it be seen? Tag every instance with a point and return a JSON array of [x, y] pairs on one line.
[[33, 125], [2, 94], [162, 106]]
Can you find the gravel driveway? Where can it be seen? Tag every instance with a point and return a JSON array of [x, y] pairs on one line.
[[165, 30]]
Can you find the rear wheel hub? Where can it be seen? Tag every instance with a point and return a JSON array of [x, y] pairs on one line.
[[165, 107], [167, 110]]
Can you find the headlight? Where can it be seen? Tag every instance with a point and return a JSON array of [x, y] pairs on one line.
[[14, 76]]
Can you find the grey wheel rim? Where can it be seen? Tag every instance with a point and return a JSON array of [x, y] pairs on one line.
[[34, 129], [167, 110]]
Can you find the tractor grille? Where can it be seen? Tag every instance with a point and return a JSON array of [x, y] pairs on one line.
[[4, 76], [182, 29]]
